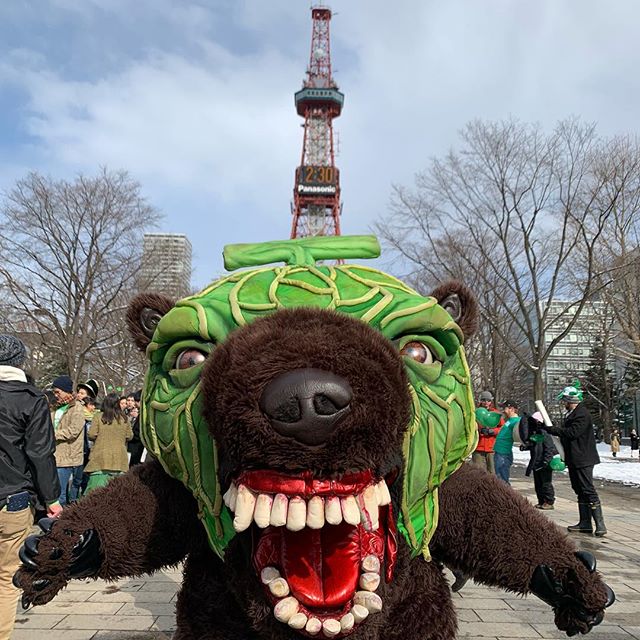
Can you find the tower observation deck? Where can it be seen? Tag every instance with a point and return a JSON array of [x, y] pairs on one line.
[[316, 204]]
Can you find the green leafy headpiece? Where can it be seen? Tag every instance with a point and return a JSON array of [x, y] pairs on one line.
[[440, 434]]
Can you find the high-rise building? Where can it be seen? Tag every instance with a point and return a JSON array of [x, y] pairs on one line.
[[166, 264], [570, 357]]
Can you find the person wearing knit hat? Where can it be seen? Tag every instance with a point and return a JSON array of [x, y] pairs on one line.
[[13, 353], [68, 422], [27, 468]]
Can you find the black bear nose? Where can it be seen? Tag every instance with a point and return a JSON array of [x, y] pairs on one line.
[[306, 404]]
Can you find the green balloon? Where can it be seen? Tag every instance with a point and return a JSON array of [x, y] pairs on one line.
[[557, 463], [486, 418]]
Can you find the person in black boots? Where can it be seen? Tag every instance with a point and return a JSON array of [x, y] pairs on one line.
[[580, 455], [539, 443]]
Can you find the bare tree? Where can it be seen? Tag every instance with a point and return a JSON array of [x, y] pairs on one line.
[[515, 201], [70, 253], [618, 253]]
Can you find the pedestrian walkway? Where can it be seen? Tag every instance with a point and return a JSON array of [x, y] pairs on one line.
[[143, 609]]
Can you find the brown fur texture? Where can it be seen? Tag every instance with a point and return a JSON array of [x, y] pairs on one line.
[[146, 520], [464, 310], [143, 313], [369, 437], [493, 534]]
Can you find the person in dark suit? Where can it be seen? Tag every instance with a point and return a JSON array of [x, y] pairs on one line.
[[580, 455]]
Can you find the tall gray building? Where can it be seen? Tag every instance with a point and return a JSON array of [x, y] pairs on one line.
[[166, 264], [570, 358]]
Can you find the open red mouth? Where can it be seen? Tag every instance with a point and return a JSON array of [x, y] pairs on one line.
[[321, 546]]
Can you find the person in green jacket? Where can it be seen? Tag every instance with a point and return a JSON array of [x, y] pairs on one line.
[[503, 446]]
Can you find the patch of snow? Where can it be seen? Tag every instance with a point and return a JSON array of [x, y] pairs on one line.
[[623, 468]]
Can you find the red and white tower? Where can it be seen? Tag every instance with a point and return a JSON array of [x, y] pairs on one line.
[[316, 196]]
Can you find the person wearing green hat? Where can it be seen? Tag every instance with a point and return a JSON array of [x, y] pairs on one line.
[[581, 455]]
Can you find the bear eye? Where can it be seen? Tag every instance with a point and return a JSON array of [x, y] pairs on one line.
[[189, 358], [417, 351]]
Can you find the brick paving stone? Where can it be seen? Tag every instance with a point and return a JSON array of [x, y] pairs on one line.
[[491, 630], [52, 634], [482, 603], [165, 623], [123, 623], [133, 596], [145, 608], [529, 617], [79, 608], [45, 621], [131, 635]]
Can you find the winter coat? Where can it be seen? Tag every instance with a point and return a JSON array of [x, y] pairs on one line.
[[70, 436], [109, 453], [615, 444], [541, 451], [577, 438], [634, 441], [26, 443]]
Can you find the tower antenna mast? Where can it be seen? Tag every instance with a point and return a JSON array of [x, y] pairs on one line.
[[316, 203]]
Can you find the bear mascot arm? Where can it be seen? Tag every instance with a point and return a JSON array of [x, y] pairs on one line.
[[491, 533]]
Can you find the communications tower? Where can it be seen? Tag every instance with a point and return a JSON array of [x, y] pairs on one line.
[[316, 195]]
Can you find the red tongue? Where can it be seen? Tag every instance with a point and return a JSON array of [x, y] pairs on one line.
[[321, 566]]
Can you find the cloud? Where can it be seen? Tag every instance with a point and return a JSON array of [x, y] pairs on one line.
[[196, 98]]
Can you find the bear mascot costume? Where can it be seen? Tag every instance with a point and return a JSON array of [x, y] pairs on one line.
[[307, 426]]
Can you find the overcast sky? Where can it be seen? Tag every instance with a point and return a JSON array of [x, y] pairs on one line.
[[195, 98]]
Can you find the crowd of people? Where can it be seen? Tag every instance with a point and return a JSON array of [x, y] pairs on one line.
[[574, 446], [56, 445]]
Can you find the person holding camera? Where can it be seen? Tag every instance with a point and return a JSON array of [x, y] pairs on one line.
[[28, 477]]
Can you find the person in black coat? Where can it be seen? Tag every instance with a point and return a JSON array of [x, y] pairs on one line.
[[580, 455], [633, 436], [28, 476], [539, 443]]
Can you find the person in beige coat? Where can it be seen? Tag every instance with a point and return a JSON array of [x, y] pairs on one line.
[[68, 421], [111, 430], [615, 444]]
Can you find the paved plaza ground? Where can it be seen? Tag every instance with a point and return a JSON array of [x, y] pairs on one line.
[[143, 609]]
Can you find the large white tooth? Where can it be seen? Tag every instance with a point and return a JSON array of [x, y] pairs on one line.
[[383, 493], [268, 574], [285, 609], [297, 514], [331, 628], [262, 513], [368, 505], [347, 621], [371, 564], [245, 505], [368, 581], [280, 588], [350, 511], [230, 496], [332, 511], [359, 612], [372, 503], [279, 510], [298, 620], [313, 626], [372, 601], [315, 513]]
